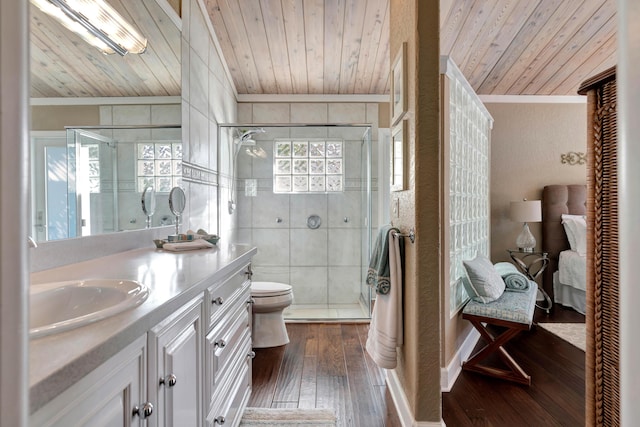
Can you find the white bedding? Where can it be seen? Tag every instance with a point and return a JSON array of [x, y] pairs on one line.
[[569, 282], [572, 269]]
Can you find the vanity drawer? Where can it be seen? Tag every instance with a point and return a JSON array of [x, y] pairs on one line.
[[223, 294], [226, 346], [232, 397]]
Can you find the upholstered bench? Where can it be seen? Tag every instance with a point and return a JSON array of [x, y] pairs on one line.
[[512, 311]]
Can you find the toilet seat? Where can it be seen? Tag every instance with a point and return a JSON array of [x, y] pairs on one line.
[[267, 322], [269, 289]]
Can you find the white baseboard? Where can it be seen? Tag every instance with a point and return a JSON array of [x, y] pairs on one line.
[[449, 375], [402, 405]]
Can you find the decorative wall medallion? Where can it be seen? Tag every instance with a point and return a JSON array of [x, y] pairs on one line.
[[573, 158]]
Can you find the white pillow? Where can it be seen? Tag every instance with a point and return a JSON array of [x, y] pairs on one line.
[[484, 282], [575, 226]]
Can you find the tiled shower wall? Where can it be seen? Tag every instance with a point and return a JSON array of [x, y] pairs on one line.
[[324, 265], [208, 98]]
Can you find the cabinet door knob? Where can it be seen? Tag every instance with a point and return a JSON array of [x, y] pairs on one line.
[[220, 343], [170, 380], [219, 420], [143, 411], [217, 301], [250, 301], [251, 354]]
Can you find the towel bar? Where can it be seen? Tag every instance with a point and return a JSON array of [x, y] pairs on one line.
[[411, 235]]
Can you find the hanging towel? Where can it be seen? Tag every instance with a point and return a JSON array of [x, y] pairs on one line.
[[378, 272], [386, 328]]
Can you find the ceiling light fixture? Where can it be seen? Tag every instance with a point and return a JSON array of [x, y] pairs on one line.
[[97, 23]]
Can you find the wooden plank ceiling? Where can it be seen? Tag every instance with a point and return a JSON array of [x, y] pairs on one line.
[[304, 46], [524, 47], [516, 47], [64, 65]]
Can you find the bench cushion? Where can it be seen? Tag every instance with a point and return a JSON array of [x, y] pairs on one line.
[[515, 307]]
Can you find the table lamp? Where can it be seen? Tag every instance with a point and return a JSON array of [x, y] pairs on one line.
[[526, 211]]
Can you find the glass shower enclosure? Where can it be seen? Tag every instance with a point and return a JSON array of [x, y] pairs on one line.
[[108, 169], [302, 195]]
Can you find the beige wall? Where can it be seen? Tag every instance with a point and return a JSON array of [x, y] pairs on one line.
[[56, 117], [526, 144], [419, 206], [384, 115]]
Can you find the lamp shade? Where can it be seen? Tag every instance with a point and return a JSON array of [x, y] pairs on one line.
[[526, 211]]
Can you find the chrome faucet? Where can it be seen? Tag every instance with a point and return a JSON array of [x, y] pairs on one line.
[[32, 243]]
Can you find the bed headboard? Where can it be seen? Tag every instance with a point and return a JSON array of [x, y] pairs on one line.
[[558, 200]]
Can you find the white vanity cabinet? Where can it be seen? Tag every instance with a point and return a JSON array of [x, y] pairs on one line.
[[191, 366], [228, 348], [107, 396], [175, 368]]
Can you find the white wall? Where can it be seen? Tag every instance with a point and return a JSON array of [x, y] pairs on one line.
[[629, 204], [208, 98]]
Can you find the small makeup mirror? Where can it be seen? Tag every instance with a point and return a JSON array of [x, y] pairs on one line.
[[148, 203], [177, 202]]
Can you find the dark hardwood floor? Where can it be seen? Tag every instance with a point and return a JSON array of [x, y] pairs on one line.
[[326, 366], [555, 397]]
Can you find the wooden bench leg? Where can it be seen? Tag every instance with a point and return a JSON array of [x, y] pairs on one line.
[[494, 344]]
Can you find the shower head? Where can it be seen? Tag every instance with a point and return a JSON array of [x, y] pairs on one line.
[[246, 135], [251, 148]]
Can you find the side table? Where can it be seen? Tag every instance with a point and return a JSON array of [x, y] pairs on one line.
[[532, 264]]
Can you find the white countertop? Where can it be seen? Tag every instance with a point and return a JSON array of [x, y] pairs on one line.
[[173, 278]]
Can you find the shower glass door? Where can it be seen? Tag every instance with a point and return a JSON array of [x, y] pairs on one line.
[[367, 220], [302, 195]]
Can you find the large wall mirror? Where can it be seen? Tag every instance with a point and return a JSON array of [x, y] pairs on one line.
[[94, 147]]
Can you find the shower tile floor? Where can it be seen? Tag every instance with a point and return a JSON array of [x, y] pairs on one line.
[[325, 312]]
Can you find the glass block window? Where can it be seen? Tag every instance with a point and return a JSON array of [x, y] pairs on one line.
[[312, 166], [93, 168], [469, 226], [159, 164]]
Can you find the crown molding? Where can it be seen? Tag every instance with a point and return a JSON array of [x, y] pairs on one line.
[[111, 100], [532, 99], [294, 98]]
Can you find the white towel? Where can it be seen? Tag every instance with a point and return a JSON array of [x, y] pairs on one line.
[[386, 329], [187, 246]]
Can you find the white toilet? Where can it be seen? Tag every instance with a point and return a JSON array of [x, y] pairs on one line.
[[269, 301]]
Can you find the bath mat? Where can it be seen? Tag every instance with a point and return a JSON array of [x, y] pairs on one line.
[[261, 417], [574, 333]]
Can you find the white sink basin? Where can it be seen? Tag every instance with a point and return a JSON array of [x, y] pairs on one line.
[[60, 306]]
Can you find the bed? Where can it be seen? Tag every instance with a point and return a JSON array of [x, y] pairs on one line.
[[565, 277]]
